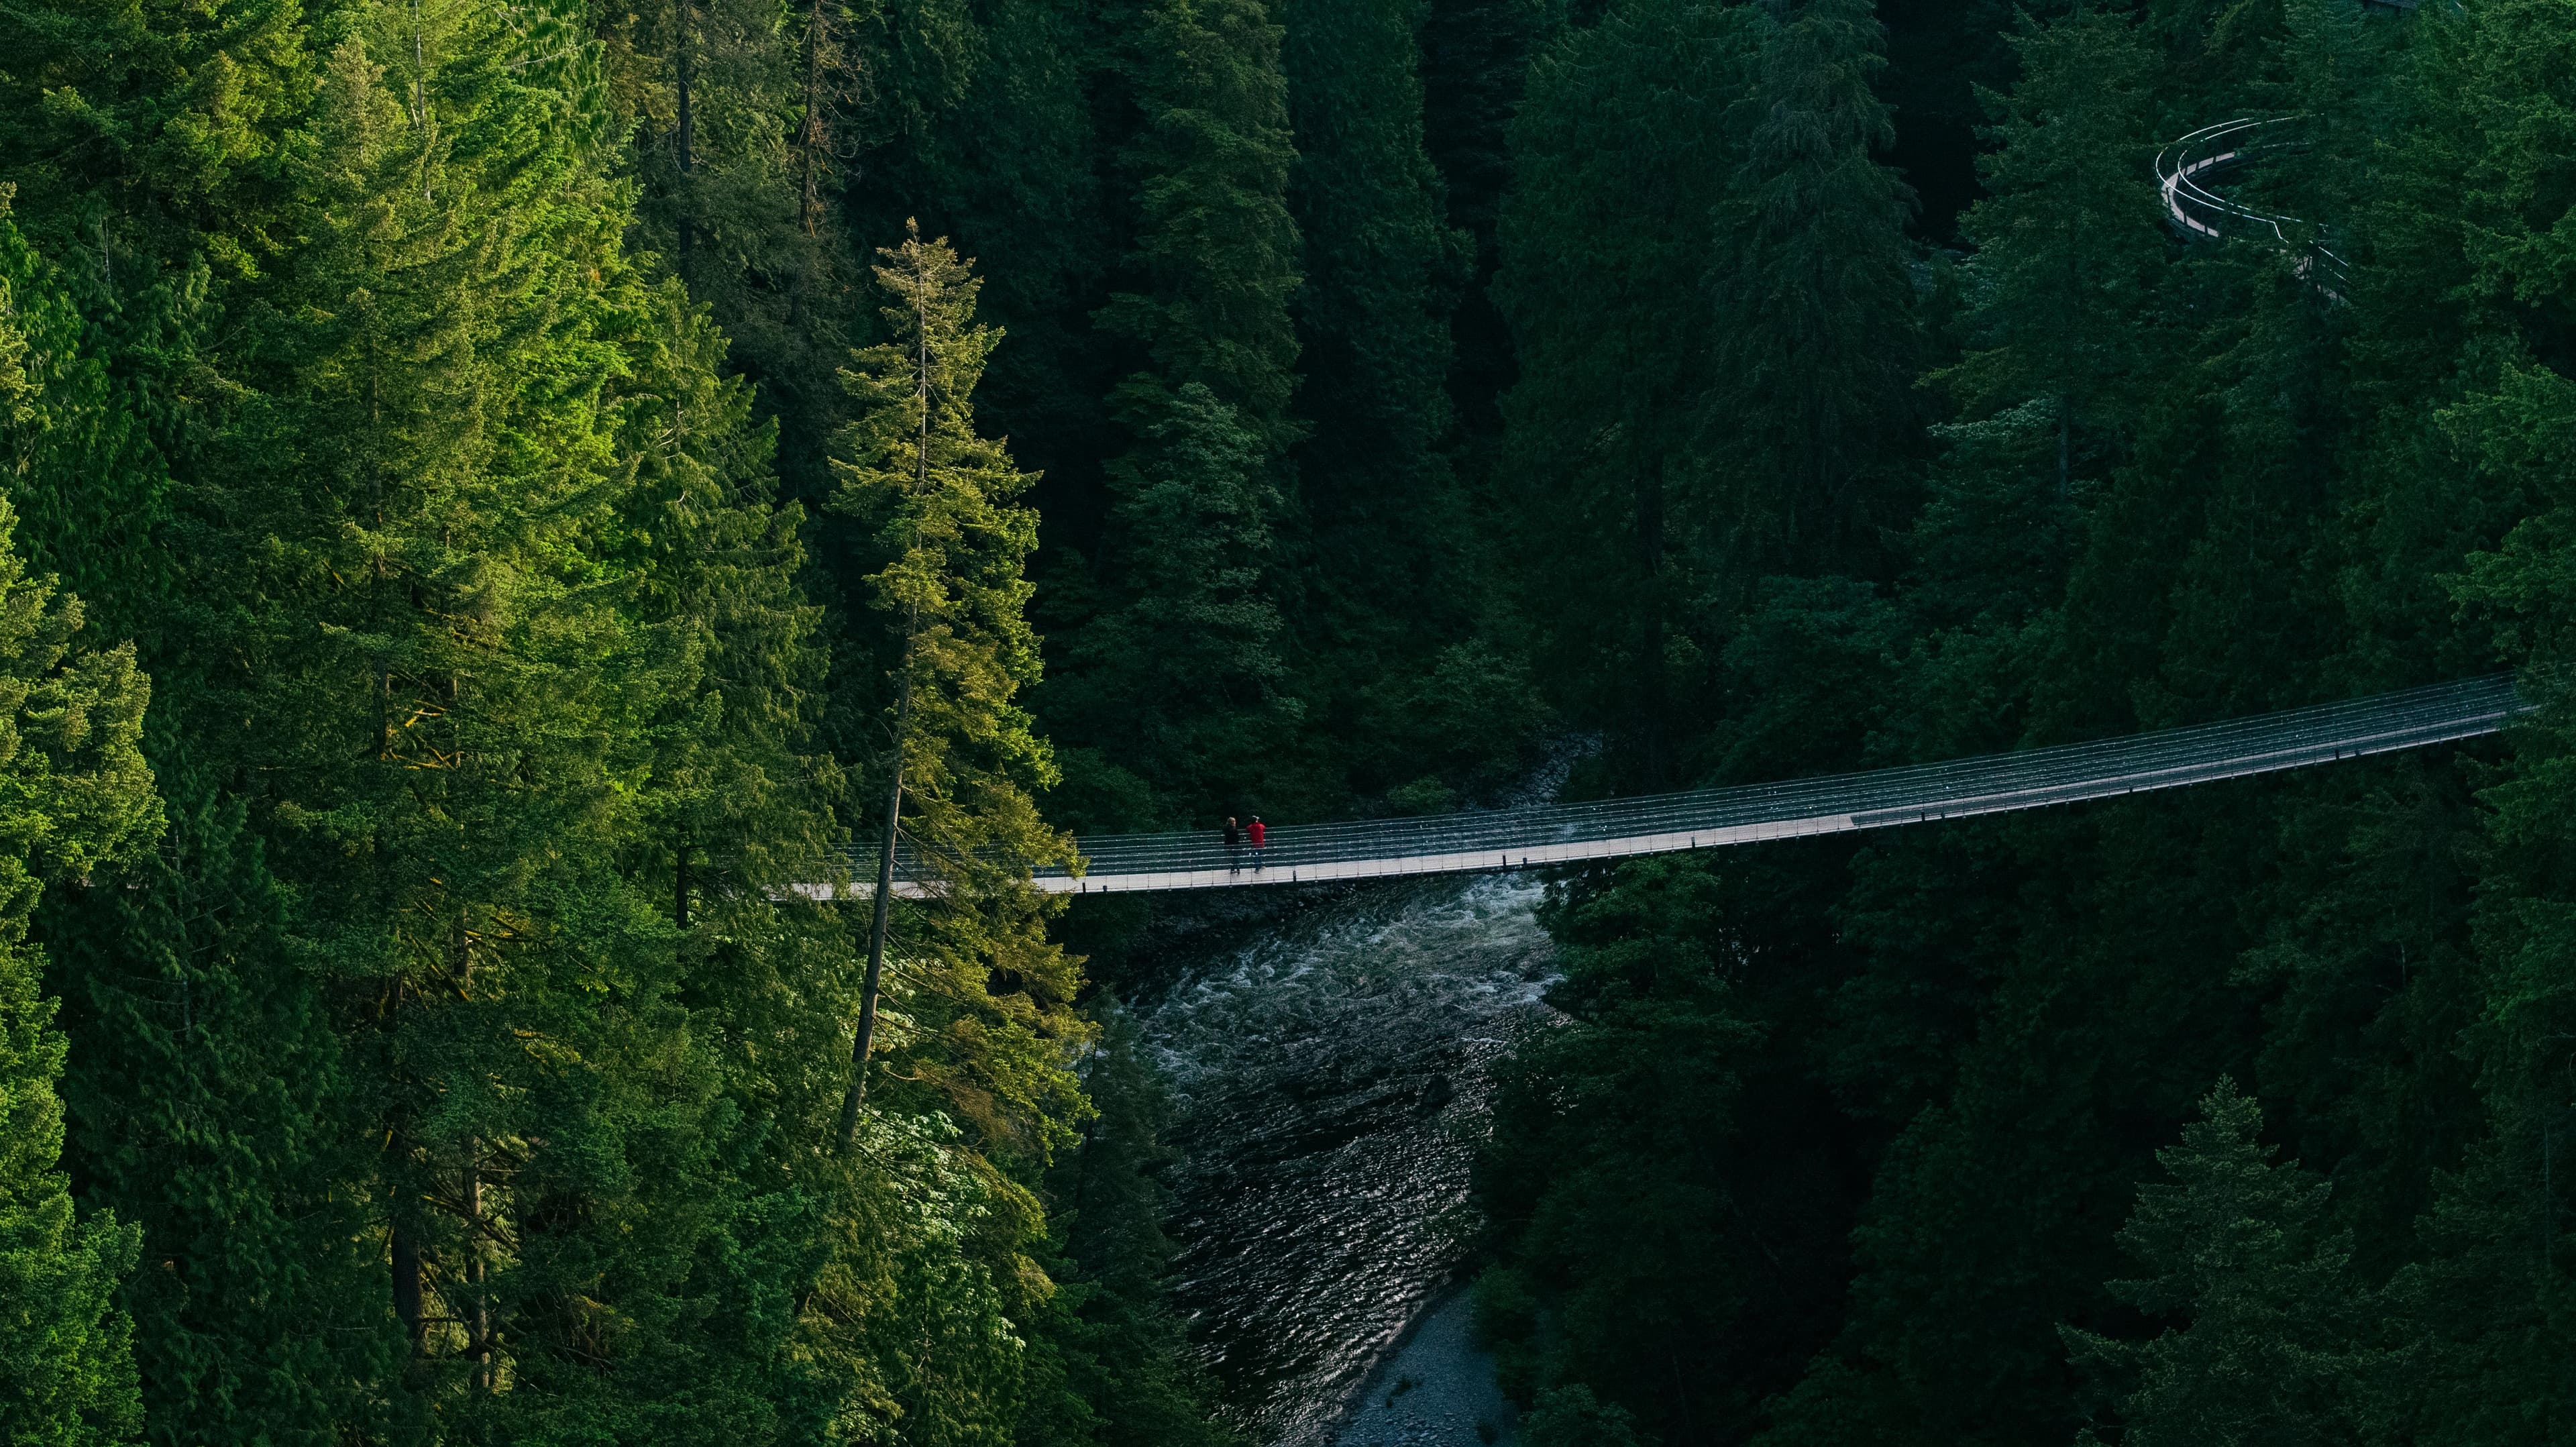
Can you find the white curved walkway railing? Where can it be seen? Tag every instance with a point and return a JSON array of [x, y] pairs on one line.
[[2189, 172], [1709, 818]]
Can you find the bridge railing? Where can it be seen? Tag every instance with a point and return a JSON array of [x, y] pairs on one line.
[[1958, 787]]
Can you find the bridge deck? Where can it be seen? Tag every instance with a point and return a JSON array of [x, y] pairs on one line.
[[1485, 841]]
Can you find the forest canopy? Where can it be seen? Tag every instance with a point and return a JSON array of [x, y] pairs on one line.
[[493, 496]]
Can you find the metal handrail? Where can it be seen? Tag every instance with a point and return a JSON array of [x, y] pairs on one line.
[[2188, 169]]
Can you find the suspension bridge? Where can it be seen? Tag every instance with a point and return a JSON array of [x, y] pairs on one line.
[[1487, 841], [2189, 175]]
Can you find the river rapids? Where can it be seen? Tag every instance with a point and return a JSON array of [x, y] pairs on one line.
[[1331, 1080]]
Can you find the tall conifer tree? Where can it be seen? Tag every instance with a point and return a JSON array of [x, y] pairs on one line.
[[1389, 548], [444, 621], [1216, 249], [214, 1106], [1383, 271], [713, 91], [1114, 1366], [206, 1093], [988, 998], [1815, 361], [2272, 1338], [2069, 251], [1184, 683], [1210, 277], [75, 793], [1625, 144]]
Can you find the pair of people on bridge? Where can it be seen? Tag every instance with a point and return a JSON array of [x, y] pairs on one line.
[[1257, 832]]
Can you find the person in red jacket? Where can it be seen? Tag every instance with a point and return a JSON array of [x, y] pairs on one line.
[[1259, 834]]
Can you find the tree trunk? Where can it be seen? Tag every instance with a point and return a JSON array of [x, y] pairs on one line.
[[809, 132], [2065, 446], [1650, 690], [406, 1251], [686, 141], [879, 909], [474, 1268], [882, 906]]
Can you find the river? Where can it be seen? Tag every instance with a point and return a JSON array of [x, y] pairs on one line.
[[1331, 1077]]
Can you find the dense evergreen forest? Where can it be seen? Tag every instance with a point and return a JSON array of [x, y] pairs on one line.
[[496, 493]]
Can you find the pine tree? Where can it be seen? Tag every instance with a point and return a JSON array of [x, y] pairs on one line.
[[1216, 249], [2273, 1344], [2069, 252], [1813, 298], [1017, 172], [204, 1087], [1389, 550], [1573, 1417], [436, 629], [213, 1106], [1109, 1361], [1624, 142], [77, 795], [1187, 676], [1382, 273], [713, 91], [147, 143], [988, 998], [2487, 1300], [1617, 1140], [965, 998], [1205, 299], [83, 469], [742, 791]]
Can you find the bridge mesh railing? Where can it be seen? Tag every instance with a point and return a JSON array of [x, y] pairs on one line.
[[1993, 782]]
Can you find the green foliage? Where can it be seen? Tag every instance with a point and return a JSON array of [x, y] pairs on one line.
[[82, 469], [1214, 243], [1015, 171], [66, 1345], [1815, 358], [990, 1018], [1187, 675], [1464, 715], [1389, 536], [1572, 1417], [2237, 1246], [1112, 1352], [75, 796], [215, 1106], [1649, 1165], [1624, 146], [2069, 254], [420, 392], [1196, 496], [149, 144], [723, 198], [2179, 482], [416, 386]]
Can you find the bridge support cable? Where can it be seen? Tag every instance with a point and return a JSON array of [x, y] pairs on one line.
[[1488, 841]]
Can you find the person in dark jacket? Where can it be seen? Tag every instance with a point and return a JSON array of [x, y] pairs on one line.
[[1260, 833], [1233, 846]]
